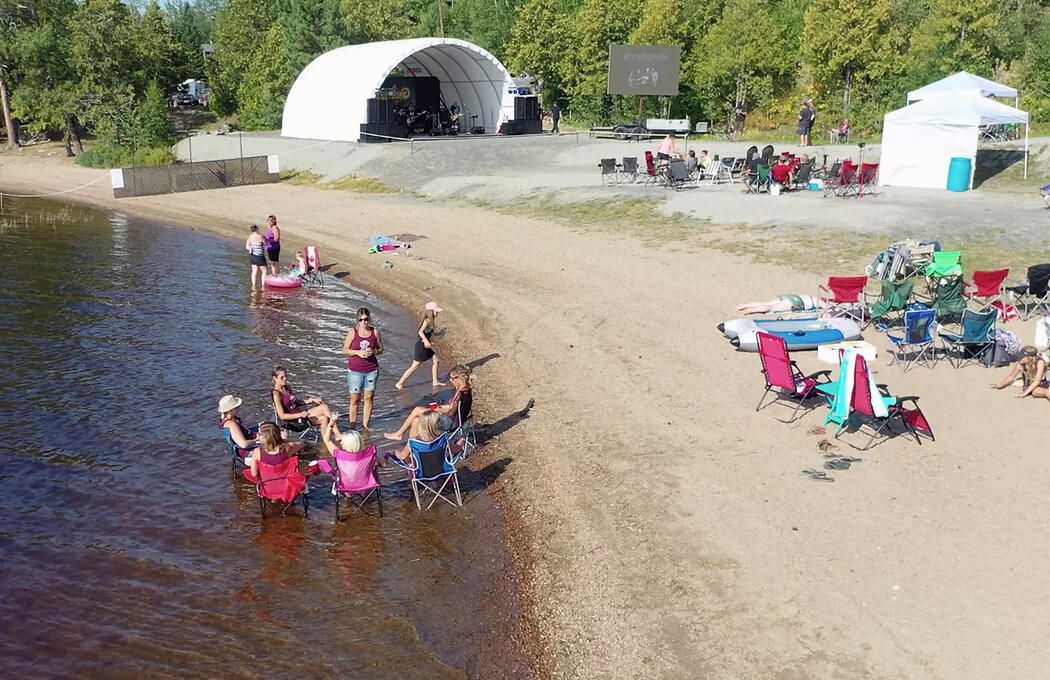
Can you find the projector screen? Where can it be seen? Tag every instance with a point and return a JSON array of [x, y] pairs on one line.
[[644, 69]]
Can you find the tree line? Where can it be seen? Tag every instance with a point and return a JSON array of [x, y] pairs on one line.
[[104, 65]]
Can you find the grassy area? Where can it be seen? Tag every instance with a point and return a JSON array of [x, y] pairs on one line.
[[353, 183]]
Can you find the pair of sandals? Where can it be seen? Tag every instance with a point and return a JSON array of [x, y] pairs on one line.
[[842, 463]]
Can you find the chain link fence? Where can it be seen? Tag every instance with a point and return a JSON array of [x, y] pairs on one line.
[[199, 176]]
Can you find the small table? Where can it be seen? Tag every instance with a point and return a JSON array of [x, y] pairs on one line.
[[831, 354]]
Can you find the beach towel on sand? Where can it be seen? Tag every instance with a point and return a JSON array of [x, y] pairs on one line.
[[842, 403]]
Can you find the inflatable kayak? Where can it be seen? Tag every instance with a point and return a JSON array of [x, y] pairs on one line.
[[282, 281], [804, 333]]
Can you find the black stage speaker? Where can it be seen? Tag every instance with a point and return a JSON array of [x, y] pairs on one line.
[[526, 108]]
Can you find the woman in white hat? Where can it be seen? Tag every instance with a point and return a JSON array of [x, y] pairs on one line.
[[233, 430], [424, 350]]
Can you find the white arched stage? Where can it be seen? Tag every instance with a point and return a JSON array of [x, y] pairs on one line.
[[329, 99]]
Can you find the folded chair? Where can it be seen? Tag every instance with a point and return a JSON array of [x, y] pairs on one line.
[[784, 378], [976, 336], [609, 171], [987, 287], [845, 297], [893, 301], [356, 479], [629, 169], [431, 471], [754, 184], [857, 401], [916, 346], [282, 485], [948, 297], [650, 169], [313, 274], [1033, 296]]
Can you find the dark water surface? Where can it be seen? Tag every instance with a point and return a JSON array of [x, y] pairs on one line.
[[129, 548]]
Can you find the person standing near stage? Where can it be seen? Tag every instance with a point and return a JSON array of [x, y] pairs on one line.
[[273, 245], [806, 116], [555, 117]]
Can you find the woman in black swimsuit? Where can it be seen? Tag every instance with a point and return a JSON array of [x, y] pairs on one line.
[[256, 247], [424, 349]]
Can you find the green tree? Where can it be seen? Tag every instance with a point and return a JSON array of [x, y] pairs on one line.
[[956, 35], [598, 24], [156, 49], [540, 43], [239, 28], [661, 23], [266, 83], [848, 45], [371, 20], [151, 120]]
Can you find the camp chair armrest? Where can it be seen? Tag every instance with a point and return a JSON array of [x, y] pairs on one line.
[[903, 400], [813, 376]]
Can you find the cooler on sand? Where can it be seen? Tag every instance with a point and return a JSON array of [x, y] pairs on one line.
[[959, 171]]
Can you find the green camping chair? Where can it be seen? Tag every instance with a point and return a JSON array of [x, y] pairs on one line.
[[945, 263], [948, 297], [892, 303], [755, 183]]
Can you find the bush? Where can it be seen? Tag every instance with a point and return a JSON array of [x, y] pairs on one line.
[[109, 156]]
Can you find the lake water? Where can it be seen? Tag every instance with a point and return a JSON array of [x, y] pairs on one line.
[[130, 549]]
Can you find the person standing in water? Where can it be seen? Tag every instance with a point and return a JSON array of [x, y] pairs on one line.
[[273, 244], [362, 345], [256, 247], [424, 350]]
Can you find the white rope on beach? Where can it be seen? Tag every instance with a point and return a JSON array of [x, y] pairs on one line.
[[56, 193]]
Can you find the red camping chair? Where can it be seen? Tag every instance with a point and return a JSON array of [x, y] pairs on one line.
[[783, 375], [845, 297], [313, 272], [846, 182], [866, 179], [282, 485], [987, 287], [862, 412], [356, 479], [650, 169]]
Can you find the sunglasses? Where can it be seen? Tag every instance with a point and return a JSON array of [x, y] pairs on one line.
[[363, 318]]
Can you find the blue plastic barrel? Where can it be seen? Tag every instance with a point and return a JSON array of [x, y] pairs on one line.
[[959, 170]]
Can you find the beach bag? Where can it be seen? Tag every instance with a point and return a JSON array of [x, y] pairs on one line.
[[1042, 333], [774, 189], [996, 356]]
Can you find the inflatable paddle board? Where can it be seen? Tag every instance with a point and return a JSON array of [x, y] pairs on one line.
[[802, 333], [282, 281]]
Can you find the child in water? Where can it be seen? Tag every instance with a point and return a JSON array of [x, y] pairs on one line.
[[299, 268]]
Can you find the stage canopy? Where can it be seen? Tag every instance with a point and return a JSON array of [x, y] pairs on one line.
[[919, 141], [964, 82], [329, 99]]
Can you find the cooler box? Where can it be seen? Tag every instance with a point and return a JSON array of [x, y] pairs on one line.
[[959, 171]]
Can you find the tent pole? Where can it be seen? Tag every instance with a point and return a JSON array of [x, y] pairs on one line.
[[1026, 150]]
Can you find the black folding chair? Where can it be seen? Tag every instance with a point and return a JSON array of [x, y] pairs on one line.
[[629, 168], [609, 170]]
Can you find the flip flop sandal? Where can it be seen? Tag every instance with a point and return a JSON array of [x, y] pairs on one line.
[[824, 446], [837, 464], [818, 476]]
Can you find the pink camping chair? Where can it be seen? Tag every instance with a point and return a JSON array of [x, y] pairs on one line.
[[313, 273], [783, 376], [987, 287], [844, 296], [355, 478], [913, 419], [282, 485]]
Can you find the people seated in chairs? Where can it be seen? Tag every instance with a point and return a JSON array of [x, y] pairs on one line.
[[667, 148], [691, 163], [335, 440], [272, 449], [782, 174], [294, 413], [299, 268], [427, 428], [784, 303], [841, 133], [233, 430], [456, 410], [1032, 368]]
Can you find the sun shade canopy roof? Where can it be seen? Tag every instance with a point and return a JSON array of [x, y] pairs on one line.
[[966, 82]]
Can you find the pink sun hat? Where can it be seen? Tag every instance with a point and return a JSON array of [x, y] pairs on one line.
[[434, 307]]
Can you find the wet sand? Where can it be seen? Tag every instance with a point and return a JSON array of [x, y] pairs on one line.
[[667, 528]]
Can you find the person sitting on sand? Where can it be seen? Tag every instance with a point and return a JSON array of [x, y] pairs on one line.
[[233, 430], [273, 450], [1032, 367], [427, 429], [457, 409], [296, 413], [784, 303]]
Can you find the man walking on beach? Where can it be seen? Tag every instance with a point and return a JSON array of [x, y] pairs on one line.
[[555, 117]]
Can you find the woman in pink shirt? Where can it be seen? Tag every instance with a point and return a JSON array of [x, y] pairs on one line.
[[667, 147]]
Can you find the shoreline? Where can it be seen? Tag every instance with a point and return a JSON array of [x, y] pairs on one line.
[[407, 299], [668, 530]]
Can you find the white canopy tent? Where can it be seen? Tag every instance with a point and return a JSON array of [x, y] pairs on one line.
[[329, 99], [919, 141], [964, 82]]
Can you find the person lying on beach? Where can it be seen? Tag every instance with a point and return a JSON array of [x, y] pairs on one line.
[[295, 412], [427, 429], [1032, 368], [784, 303], [457, 409], [272, 450]]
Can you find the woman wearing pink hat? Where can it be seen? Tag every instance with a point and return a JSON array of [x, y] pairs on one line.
[[424, 350]]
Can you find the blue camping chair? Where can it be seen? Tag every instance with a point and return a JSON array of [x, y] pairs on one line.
[[432, 469], [976, 337], [916, 345]]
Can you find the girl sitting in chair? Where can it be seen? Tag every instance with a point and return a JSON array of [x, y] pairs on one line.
[[297, 414], [459, 405]]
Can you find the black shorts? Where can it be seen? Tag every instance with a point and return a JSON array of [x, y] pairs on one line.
[[259, 260], [422, 353], [274, 254], [663, 156]]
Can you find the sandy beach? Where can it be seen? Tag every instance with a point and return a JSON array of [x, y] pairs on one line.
[[663, 527]]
